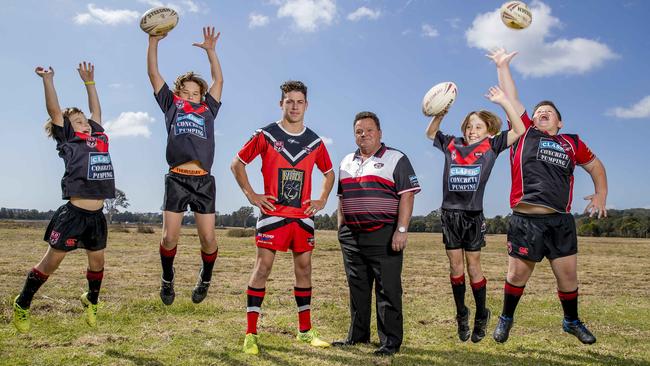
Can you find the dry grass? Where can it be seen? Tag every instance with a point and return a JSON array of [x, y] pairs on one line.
[[135, 328]]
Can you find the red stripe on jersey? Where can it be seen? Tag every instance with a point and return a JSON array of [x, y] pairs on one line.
[[100, 145], [517, 190], [472, 156], [368, 179], [187, 107]]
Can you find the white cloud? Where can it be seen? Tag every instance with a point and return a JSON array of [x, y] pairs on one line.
[[364, 12], [129, 124], [106, 16], [308, 15], [257, 20], [429, 31], [640, 110], [179, 6], [538, 56], [327, 140]]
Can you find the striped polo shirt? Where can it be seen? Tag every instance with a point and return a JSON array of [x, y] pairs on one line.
[[369, 190]]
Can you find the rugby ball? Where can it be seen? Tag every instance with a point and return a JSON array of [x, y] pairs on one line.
[[159, 21], [439, 98], [516, 15]]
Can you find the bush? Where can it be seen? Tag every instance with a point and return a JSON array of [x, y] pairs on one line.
[[145, 229], [240, 232], [119, 228]]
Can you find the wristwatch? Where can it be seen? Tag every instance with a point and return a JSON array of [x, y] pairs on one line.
[[401, 229]]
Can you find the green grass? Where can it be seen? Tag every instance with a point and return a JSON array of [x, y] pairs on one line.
[[136, 329]]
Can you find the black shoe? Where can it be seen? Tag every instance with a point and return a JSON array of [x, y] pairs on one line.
[[578, 329], [167, 293], [386, 351], [480, 325], [502, 330], [343, 343], [200, 290], [463, 325]]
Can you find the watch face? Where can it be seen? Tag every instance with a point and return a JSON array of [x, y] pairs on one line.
[[401, 229]]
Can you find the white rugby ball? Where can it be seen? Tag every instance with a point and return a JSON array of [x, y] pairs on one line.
[[516, 15], [159, 21], [438, 98]]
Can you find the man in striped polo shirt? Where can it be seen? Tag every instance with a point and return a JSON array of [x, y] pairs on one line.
[[376, 191]]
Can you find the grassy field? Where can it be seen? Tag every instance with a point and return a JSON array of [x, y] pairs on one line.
[[136, 329]]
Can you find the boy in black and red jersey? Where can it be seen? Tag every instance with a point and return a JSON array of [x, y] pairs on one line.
[[468, 164], [543, 161], [289, 151], [190, 110], [87, 181]]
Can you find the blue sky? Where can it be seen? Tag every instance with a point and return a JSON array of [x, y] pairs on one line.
[[379, 55]]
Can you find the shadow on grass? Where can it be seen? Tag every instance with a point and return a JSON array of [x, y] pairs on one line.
[[137, 360]]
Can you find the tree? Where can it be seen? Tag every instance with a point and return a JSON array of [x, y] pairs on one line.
[[241, 217], [111, 204]]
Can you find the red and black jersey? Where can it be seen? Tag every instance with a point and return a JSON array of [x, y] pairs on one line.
[[88, 165], [190, 128], [287, 164], [542, 167], [467, 169], [370, 190]]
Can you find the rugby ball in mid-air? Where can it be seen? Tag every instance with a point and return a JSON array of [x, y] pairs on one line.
[[516, 15], [439, 98], [159, 21]]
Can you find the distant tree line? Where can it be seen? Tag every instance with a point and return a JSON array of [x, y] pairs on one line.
[[631, 223]]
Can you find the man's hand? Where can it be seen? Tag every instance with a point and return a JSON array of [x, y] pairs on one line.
[[399, 241], [596, 204], [263, 202], [314, 206]]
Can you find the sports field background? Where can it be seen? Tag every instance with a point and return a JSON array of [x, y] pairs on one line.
[[136, 329]]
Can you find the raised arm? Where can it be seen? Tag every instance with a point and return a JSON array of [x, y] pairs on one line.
[[496, 95], [502, 61], [598, 200], [434, 125], [51, 100], [156, 79], [209, 43], [87, 73]]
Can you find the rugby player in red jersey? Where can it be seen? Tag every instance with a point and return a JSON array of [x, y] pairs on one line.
[[190, 110], [289, 151], [468, 164], [87, 181], [543, 161]]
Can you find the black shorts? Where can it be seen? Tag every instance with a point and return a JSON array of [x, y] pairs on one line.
[[463, 229], [72, 227], [533, 237], [196, 191]]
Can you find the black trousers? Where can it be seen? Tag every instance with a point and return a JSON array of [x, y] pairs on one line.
[[368, 258]]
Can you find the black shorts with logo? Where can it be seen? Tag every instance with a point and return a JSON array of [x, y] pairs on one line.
[[533, 237], [198, 192], [463, 229], [72, 227]]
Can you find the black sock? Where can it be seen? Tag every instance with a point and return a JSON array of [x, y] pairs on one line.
[[208, 265], [511, 296], [167, 261], [569, 302], [94, 284], [458, 288], [479, 290], [35, 279]]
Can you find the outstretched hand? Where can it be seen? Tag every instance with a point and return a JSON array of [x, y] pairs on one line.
[[209, 39], [44, 73], [500, 56], [496, 95], [86, 71]]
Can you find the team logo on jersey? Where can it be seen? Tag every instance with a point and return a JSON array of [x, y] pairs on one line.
[[91, 142], [550, 151], [180, 104], [99, 166], [278, 145], [379, 165], [54, 237], [190, 123], [453, 155], [290, 182], [478, 154], [413, 179], [464, 177]]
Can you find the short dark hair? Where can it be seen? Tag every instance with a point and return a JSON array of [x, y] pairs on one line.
[[549, 103], [366, 114], [293, 85]]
